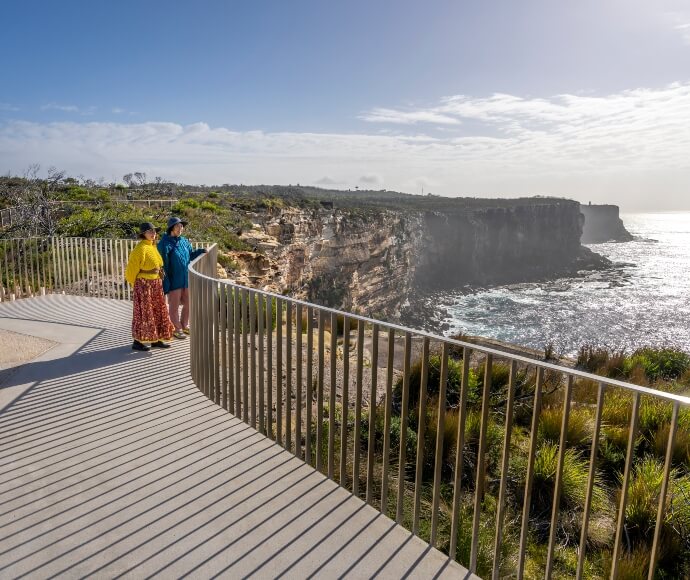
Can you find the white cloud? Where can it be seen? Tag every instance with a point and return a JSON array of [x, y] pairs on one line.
[[684, 30], [408, 117], [57, 107], [630, 148], [88, 111], [8, 107]]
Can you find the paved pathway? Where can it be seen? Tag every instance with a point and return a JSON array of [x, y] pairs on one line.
[[113, 464]]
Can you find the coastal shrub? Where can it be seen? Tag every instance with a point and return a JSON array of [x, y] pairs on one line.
[[500, 375], [632, 565], [449, 436], [494, 445], [209, 206], [617, 408], [681, 444], [654, 412], [579, 425], [612, 449], [658, 363], [601, 360], [434, 381], [575, 477], [643, 498], [184, 203], [643, 503]]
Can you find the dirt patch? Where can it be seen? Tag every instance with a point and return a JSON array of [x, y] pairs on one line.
[[16, 348]]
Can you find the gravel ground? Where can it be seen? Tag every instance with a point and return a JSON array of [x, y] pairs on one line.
[[16, 349]]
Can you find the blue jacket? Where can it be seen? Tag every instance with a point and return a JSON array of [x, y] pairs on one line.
[[177, 253]]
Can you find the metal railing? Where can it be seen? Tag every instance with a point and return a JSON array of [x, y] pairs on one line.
[[82, 266], [513, 466], [503, 461]]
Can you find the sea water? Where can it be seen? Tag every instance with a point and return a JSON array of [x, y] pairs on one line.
[[644, 300]]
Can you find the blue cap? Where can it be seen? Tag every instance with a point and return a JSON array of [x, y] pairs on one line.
[[173, 221]]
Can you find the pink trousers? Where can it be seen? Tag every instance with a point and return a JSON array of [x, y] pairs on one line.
[[177, 298]]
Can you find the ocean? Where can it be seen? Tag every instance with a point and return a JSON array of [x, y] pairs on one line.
[[644, 300]]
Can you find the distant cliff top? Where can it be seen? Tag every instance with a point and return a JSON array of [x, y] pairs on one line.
[[306, 195]]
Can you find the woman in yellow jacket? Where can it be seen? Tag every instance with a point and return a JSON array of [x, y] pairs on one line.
[[151, 325]]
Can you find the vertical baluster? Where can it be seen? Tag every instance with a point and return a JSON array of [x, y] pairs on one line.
[[372, 412], [319, 393], [262, 383], [298, 382], [252, 348], [245, 356], [223, 314], [555, 508], [269, 368], [112, 285], [192, 319], [288, 375], [237, 293], [229, 346], [481, 463], [345, 401], [536, 411], [54, 252], [359, 375], [500, 509], [120, 270], [387, 408], [97, 266], [332, 397], [30, 251], [208, 338], [27, 280], [421, 430], [436, 498], [310, 384], [624, 488], [279, 371], [664, 490], [404, 411], [215, 319]]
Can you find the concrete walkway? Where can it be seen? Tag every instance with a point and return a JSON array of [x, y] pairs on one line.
[[113, 464]]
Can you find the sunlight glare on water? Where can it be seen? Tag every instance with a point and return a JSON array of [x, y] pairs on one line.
[[643, 301]]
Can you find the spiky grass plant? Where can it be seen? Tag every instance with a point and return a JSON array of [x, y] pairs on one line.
[[579, 425]]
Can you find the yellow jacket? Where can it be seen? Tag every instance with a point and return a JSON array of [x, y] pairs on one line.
[[144, 256]]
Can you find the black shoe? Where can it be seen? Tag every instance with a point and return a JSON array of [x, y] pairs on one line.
[[136, 345], [161, 344]]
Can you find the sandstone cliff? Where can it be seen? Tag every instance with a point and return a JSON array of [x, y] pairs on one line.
[[376, 261], [602, 223]]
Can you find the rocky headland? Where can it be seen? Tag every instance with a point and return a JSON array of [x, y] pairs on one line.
[[384, 261], [602, 223]]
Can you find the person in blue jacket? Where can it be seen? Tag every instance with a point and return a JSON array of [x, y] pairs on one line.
[[177, 253]]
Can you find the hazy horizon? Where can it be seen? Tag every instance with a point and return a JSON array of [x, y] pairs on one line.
[[587, 101]]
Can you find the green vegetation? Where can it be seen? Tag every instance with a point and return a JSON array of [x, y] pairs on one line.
[[645, 479]]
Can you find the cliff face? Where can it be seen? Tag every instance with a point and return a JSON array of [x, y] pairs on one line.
[[359, 262], [500, 245], [373, 261], [602, 223]]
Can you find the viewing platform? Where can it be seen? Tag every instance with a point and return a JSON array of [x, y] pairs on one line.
[[287, 439], [114, 464]]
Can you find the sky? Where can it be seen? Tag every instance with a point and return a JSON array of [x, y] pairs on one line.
[[588, 100]]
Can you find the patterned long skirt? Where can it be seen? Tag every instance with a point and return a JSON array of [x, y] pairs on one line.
[[150, 318]]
